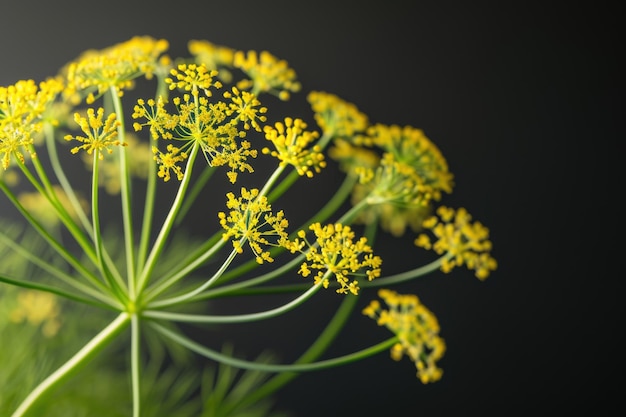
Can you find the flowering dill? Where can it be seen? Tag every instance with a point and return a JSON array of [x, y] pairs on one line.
[[100, 134], [416, 328], [251, 218], [335, 250], [467, 242]]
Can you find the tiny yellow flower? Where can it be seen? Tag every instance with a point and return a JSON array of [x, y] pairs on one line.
[[336, 251], [467, 242], [246, 108], [251, 217], [291, 143], [193, 78], [100, 134], [213, 56], [417, 330]]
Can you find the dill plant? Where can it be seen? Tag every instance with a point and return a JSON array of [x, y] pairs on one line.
[[206, 122]]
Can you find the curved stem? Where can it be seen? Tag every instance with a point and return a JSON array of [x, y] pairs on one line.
[[266, 367], [79, 359], [197, 187], [240, 318], [407, 275]]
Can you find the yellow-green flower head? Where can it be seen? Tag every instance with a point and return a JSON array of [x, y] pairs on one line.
[[417, 330], [354, 159], [415, 157], [291, 143], [246, 109], [39, 206], [96, 71], [101, 134], [193, 78], [38, 309], [267, 74], [251, 217], [158, 121], [22, 109], [213, 56], [335, 250], [465, 241], [336, 117]]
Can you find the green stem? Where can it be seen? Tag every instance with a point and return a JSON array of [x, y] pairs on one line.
[[148, 215], [125, 191], [189, 295], [134, 362], [53, 243], [240, 318], [82, 357], [159, 244], [195, 192], [408, 275], [266, 367], [56, 272], [315, 351], [56, 291]]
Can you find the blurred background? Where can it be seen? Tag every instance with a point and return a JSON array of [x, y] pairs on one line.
[[525, 102]]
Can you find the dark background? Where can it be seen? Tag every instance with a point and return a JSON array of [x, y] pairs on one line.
[[525, 102]]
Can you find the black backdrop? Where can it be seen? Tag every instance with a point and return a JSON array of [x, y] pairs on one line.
[[523, 99]]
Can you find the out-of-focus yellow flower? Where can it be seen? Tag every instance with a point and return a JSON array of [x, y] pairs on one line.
[[417, 330]]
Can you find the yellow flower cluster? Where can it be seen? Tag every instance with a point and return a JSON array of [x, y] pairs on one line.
[[214, 126], [336, 117], [292, 146], [467, 242], [267, 74], [416, 328], [37, 308], [335, 250], [95, 71], [251, 218], [22, 109], [101, 134], [213, 56]]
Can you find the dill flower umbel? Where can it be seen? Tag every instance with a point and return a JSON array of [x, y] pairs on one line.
[[336, 117], [100, 134], [465, 241], [416, 328], [22, 108], [336, 251], [267, 74], [292, 142], [251, 218]]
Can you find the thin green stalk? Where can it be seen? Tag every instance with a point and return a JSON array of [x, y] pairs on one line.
[[200, 183], [134, 364], [56, 291], [239, 318], [191, 263], [266, 367], [71, 194], [271, 180], [189, 295], [82, 357], [148, 210], [58, 273], [408, 275], [75, 263], [318, 347], [159, 244], [63, 181], [125, 191]]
